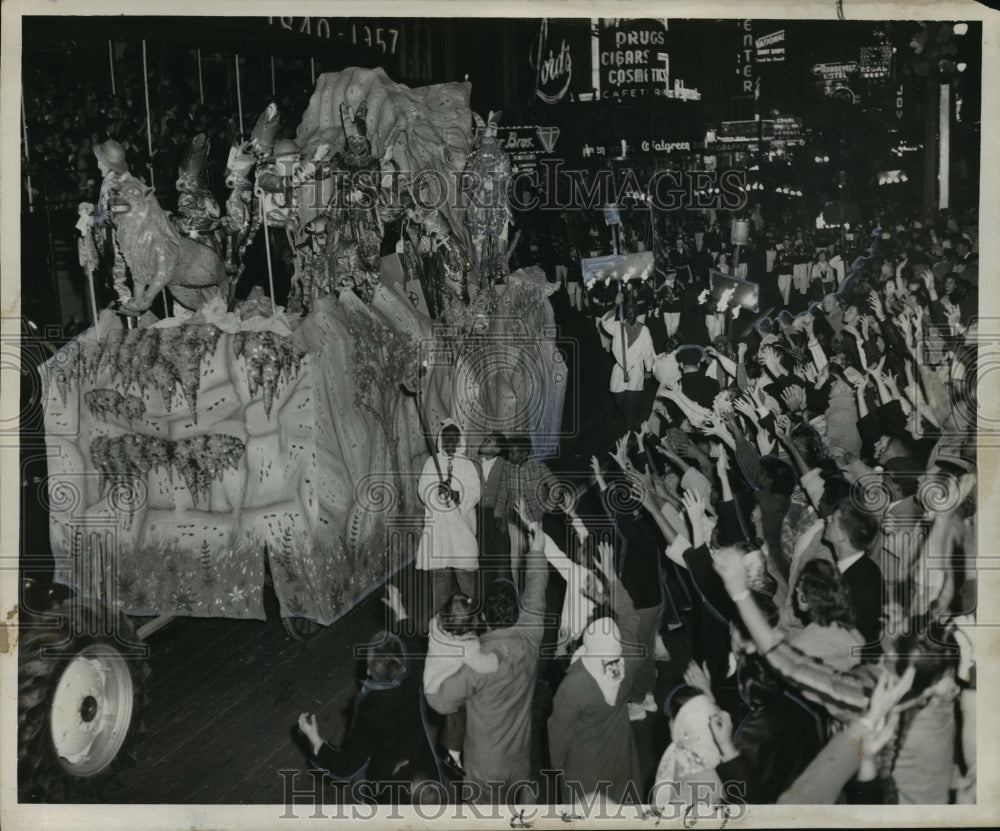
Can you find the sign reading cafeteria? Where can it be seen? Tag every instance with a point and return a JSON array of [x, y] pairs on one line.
[[634, 61], [612, 59]]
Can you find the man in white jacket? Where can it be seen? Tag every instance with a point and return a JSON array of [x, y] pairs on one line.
[[632, 348], [449, 488]]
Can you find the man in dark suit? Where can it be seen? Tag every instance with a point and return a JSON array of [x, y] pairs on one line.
[[851, 532], [695, 384], [494, 542]]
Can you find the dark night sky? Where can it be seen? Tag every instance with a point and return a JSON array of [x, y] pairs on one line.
[[494, 53]]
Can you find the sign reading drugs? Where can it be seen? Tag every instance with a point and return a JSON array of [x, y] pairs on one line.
[[634, 61], [731, 292], [617, 267]]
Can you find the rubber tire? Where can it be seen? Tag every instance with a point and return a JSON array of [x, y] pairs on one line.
[[301, 628], [41, 776]]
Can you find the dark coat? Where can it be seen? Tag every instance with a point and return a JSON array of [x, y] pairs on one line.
[[777, 741], [592, 741], [864, 581], [387, 738]]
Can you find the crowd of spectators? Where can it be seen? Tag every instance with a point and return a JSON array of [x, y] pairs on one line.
[[795, 501], [64, 121]]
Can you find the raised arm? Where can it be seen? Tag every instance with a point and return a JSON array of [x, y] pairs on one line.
[[535, 582], [843, 694]]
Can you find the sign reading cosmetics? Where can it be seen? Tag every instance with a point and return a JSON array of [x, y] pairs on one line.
[[605, 59], [634, 61]]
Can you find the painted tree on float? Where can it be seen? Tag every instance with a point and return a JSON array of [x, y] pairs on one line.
[[383, 359]]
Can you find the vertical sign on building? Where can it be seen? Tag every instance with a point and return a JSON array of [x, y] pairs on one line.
[[745, 62], [551, 58]]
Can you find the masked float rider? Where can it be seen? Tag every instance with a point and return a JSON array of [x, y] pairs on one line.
[[197, 209], [114, 170], [313, 279]]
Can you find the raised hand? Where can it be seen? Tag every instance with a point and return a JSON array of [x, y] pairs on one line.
[[783, 427], [716, 428], [606, 559], [394, 601], [721, 725], [865, 326], [698, 676], [757, 397], [642, 482], [676, 444], [794, 398], [620, 455], [880, 721], [875, 302], [745, 407], [694, 504], [730, 566], [722, 462]]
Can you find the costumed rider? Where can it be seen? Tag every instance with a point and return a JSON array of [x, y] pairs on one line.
[[239, 206], [274, 185], [197, 209], [277, 207], [114, 170], [313, 274], [359, 229]]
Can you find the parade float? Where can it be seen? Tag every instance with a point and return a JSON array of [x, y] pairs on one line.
[[200, 454]]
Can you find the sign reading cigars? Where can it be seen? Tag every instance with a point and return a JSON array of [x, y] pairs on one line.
[[612, 59]]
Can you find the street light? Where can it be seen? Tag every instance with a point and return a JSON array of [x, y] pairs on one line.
[[960, 29]]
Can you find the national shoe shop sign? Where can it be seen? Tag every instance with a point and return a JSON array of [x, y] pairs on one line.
[[611, 59]]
